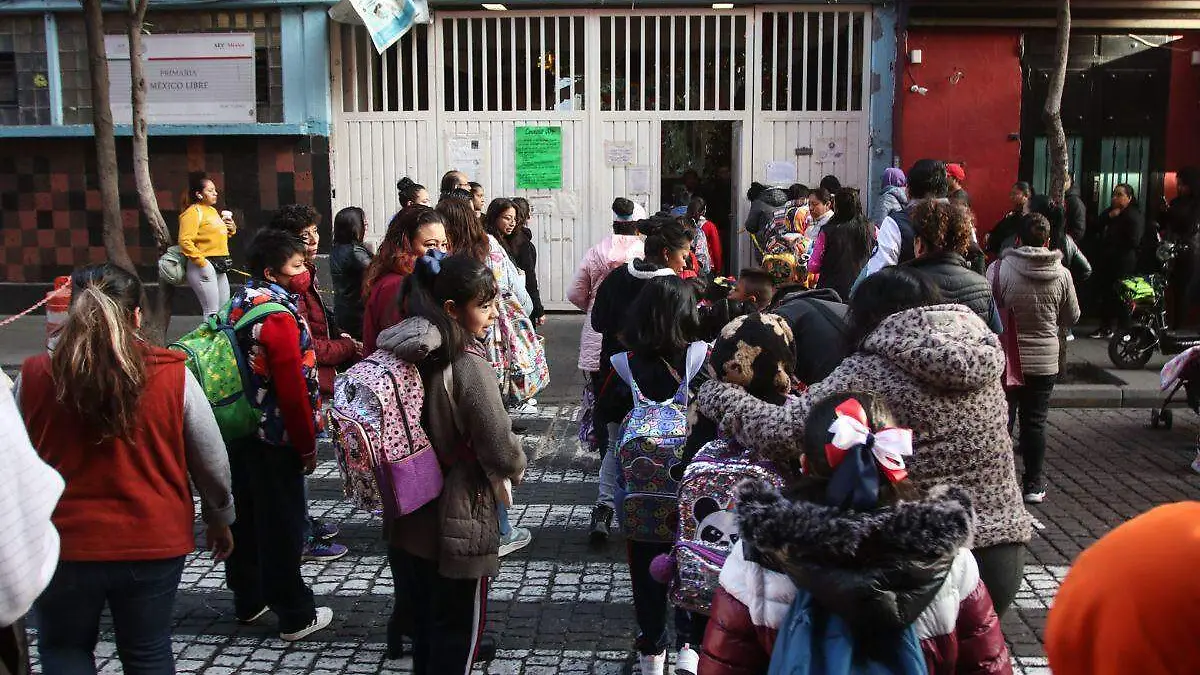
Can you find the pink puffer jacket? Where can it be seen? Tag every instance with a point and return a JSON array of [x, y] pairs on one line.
[[612, 252]]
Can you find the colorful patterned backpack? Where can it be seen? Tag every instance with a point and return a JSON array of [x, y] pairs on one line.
[[650, 440], [218, 361], [523, 354], [708, 526], [385, 457]]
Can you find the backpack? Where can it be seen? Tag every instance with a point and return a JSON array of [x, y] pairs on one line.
[[812, 641], [708, 527], [172, 267], [650, 440], [908, 235], [522, 352], [216, 359], [384, 455]]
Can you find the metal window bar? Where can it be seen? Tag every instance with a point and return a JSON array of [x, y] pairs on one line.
[[528, 68], [833, 99], [627, 39], [804, 55], [557, 62], [541, 62], [791, 58], [733, 54], [642, 88]]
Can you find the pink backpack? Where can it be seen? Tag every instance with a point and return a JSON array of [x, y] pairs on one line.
[[385, 457]]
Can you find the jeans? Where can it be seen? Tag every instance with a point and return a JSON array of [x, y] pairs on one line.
[[502, 515], [264, 570], [445, 616], [610, 474], [139, 594], [211, 289], [1031, 404], [1000, 568], [650, 603]]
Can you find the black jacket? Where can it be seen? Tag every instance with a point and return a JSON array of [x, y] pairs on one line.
[[1002, 234], [1120, 239], [959, 284], [347, 264], [848, 246], [613, 300], [818, 321], [522, 252], [1076, 214]]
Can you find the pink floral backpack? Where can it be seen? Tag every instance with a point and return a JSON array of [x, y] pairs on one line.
[[384, 455]]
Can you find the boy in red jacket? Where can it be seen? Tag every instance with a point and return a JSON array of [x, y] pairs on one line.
[[331, 352]]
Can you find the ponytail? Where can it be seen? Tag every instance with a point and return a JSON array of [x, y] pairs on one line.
[[98, 365]]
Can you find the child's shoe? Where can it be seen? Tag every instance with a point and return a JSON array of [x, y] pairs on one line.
[[686, 661], [324, 530], [602, 517], [653, 664], [322, 620], [319, 550], [516, 539]]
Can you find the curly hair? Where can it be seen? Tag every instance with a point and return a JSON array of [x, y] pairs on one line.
[[295, 218], [943, 226]]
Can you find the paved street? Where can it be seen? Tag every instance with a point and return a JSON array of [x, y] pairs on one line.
[[558, 607]]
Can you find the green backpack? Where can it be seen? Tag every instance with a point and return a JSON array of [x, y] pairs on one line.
[[217, 361]]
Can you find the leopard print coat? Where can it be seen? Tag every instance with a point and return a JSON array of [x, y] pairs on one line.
[[938, 369]]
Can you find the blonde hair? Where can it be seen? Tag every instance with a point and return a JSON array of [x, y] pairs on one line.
[[98, 364]]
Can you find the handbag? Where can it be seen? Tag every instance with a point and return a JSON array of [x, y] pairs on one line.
[[1013, 377], [172, 267]]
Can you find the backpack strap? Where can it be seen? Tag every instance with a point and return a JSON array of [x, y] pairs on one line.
[[256, 313], [697, 354], [620, 364]]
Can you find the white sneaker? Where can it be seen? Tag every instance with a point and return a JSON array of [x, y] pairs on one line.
[[1196, 462], [323, 619], [526, 408], [687, 661], [655, 664]]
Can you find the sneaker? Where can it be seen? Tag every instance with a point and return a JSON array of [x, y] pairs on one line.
[[1034, 493], [516, 539], [1070, 336], [653, 664], [323, 619], [1196, 462], [602, 517], [1102, 334], [687, 661], [486, 649], [324, 530], [323, 551], [246, 621], [526, 408]]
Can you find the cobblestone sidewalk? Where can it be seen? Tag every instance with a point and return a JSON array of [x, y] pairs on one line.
[[560, 607]]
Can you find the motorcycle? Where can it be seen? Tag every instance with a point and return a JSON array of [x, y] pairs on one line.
[[1145, 295]]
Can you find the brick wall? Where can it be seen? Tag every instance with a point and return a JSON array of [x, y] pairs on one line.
[[50, 217]]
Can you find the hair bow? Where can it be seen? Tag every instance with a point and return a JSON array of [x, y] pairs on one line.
[[432, 260], [851, 439]]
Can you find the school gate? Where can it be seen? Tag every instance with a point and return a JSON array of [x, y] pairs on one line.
[[777, 94]]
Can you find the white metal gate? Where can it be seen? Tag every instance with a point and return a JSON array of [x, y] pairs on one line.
[[454, 92]]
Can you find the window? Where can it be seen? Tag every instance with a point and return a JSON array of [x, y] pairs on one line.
[[8, 79]]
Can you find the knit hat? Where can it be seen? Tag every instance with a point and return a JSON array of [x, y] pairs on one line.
[[894, 177], [1131, 603], [758, 353], [957, 172]]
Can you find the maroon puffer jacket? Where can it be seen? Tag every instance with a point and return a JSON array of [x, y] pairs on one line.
[[332, 351]]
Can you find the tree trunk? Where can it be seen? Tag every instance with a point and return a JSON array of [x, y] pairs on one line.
[[1052, 114], [106, 142], [160, 312]]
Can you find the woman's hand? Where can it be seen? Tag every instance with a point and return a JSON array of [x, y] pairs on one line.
[[219, 540], [230, 226]]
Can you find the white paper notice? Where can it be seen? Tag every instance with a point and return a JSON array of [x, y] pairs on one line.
[[541, 206], [469, 155], [619, 153], [781, 173], [637, 180]]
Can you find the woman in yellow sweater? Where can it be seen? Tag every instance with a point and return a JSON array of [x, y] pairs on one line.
[[204, 238]]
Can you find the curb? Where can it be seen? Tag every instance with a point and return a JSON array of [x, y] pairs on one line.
[[1110, 396]]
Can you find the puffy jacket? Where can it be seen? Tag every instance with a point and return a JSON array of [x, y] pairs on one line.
[[938, 370], [612, 252], [1033, 282], [818, 322], [934, 584], [892, 200], [347, 264], [332, 349], [959, 284], [762, 210]]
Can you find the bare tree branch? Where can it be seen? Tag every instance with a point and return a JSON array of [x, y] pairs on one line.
[[1052, 114], [106, 142]]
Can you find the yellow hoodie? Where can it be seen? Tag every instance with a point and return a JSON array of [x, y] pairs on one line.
[[202, 234]]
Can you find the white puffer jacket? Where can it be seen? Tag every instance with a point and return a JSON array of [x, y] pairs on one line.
[[1032, 281]]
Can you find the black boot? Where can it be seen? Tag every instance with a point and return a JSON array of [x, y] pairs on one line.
[[601, 524], [486, 650]]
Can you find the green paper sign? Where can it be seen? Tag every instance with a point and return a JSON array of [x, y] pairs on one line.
[[538, 153]]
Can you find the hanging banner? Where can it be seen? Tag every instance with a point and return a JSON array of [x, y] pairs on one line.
[[198, 78], [538, 155], [386, 20]]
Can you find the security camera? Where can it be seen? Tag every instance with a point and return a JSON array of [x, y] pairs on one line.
[[916, 89]]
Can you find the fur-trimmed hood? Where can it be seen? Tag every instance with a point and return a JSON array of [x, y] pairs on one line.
[[640, 269], [874, 569]]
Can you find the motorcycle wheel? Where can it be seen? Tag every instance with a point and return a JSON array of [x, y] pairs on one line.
[[1131, 348]]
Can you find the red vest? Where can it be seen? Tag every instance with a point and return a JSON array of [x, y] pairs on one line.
[[125, 500]]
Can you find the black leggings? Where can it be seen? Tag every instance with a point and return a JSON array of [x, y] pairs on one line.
[[1001, 567], [445, 616]]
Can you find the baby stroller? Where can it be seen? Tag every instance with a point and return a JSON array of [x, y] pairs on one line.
[[1181, 372]]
